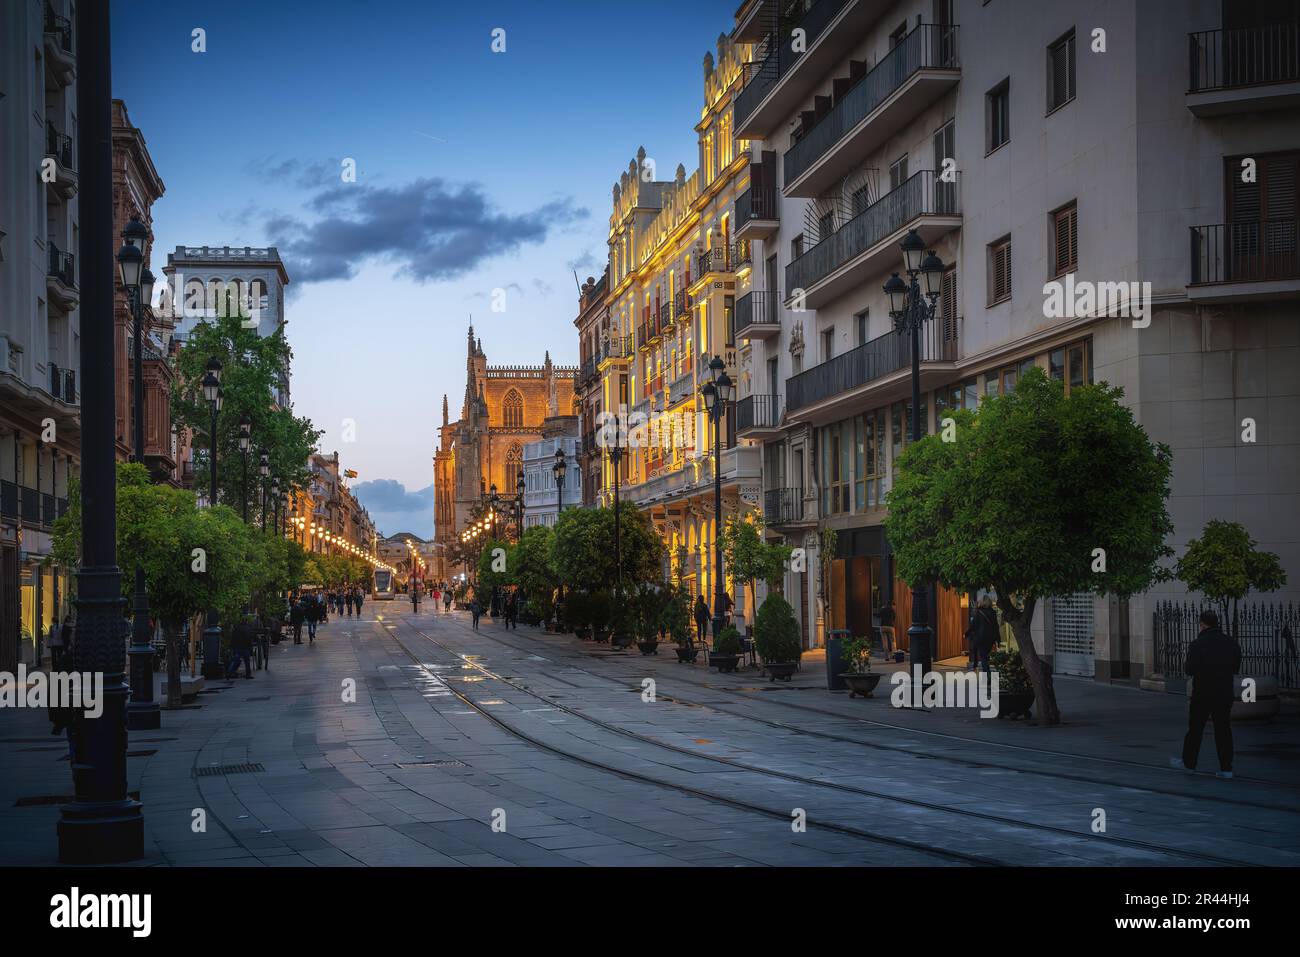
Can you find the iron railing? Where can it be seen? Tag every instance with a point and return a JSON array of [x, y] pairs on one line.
[[757, 202], [58, 145], [782, 506], [62, 266], [775, 58], [1266, 634], [1248, 56], [31, 505], [713, 260], [60, 27], [681, 304], [928, 46], [665, 315], [757, 308], [1246, 252], [8, 499], [741, 254], [758, 412], [872, 360], [921, 194]]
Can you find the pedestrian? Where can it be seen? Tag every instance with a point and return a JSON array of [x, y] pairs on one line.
[[727, 605], [437, 597], [297, 615], [241, 649], [63, 714], [1212, 663], [702, 618], [415, 599], [476, 610], [60, 644], [887, 630], [264, 641], [983, 634], [360, 596], [512, 610], [446, 601], [350, 598]]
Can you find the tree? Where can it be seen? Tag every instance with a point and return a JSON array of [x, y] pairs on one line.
[[1224, 565], [532, 569], [776, 631], [495, 570], [583, 553], [749, 558], [1039, 495]]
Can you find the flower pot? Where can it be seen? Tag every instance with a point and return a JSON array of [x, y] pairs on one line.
[[648, 647], [600, 635], [780, 670], [620, 640], [687, 655], [900, 656], [1015, 704], [861, 683], [724, 663], [583, 633]]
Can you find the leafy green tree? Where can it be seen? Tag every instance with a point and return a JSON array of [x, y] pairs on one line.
[[1039, 495], [532, 569], [489, 577], [583, 553], [749, 558], [1224, 565], [776, 631]]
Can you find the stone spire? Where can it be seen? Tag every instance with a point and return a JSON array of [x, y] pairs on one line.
[[444, 409]]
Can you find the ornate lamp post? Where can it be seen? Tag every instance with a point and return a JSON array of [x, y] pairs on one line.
[[263, 470], [102, 824], [615, 458], [911, 308], [558, 470], [520, 486], [275, 505], [142, 713], [211, 384], [245, 436], [717, 393]]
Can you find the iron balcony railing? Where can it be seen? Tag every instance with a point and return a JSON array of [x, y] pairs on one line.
[[782, 506], [870, 361], [8, 499], [921, 194], [928, 46], [1246, 252], [58, 145], [665, 315], [713, 260], [682, 388], [62, 266], [775, 57], [63, 383], [757, 308], [31, 505], [1248, 56], [587, 371], [758, 412], [741, 254], [757, 202], [60, 27], [681, 304]]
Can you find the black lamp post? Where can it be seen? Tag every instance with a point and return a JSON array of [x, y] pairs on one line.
[[102, 824], [558, 469], [263, 469], [911, 308], [211, 384], [520, 486], [245, 437], [616, 457], [275, 505], [142, 713], [717, 393]]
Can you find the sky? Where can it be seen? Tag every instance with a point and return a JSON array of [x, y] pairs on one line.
[[475, 171]]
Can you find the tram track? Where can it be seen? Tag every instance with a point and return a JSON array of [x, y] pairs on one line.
[[802, 780]]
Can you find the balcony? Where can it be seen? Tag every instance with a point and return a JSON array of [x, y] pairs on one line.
[[61, 278], [1252, 68], [665, 317], [756, 213], [63, 384], [714, 261], [758, 417], [756, 316], [682, 388], [696, 477], [614, 349], [1233, 262], [58, 146], [784, 506], [681, 305], [867, 244], [59, 55], [880, 366], [920, 69], [779, 78]]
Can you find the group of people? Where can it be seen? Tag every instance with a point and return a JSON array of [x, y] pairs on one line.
[[344, 600]]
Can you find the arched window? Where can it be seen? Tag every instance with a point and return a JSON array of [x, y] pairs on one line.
[[512, 410], [514, 462]]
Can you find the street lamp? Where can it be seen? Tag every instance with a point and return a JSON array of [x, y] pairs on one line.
[[211, 384], [615, 457], [520, 486], [911, 308], [142, 712], [558, 470], [245, 437], [275, 505], [716, 394], [263, 469]]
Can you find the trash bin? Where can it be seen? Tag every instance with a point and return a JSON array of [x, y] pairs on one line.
[[834, 660]]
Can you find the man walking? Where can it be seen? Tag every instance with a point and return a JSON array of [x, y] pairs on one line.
[[241, 649], [359, 597], [475, 610], [296, 616], [1212, 663]]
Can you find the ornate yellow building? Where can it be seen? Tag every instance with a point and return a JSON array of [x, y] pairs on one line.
[[505, 408]]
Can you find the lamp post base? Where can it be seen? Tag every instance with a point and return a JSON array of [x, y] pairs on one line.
[[109, 832], [146, 716]]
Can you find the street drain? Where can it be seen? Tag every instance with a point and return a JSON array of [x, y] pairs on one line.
[[432, 764], [214, 770]]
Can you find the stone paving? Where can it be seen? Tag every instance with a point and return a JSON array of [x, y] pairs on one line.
[[504, 748]]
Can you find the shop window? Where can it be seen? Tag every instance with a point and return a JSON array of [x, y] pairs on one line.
[[1072, 365]]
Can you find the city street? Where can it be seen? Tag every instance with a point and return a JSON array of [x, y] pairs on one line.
[[497, 748]]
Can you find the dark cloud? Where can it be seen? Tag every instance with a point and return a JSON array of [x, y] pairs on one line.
[[394, 509], [586, 260], [303, 174], [432, 230]]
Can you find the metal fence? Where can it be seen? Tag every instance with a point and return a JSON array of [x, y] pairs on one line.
[[1247, 56], [1266, 634]]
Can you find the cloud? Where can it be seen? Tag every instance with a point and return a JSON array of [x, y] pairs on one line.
[[585, 260], [303, 174], [431, 229], [395, 509]]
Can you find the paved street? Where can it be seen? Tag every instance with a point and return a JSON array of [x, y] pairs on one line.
[[550, 737]]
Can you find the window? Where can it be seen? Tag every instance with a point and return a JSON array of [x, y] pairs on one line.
[[860, 327], [997, 115], [825, 225], [828, 343], [861, 199], [835, 469], [1072, 365], [512, 410], [898, 172], [796, 247], [1060, 72], [869, 460], [1065, 240], [999, 270]]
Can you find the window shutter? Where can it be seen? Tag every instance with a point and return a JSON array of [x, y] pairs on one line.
[[948, 305], [1067, 237], [1001, 271]]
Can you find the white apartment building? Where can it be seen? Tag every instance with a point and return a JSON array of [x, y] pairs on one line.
[[1025, 142], [40, 418], [543, 495]]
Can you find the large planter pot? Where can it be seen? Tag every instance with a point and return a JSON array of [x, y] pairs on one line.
[[648, 647], [687, 655], [861, 683], [780, 670], [600, 635], [620, 641], [724, 663], [1015, 704], [583, 633]]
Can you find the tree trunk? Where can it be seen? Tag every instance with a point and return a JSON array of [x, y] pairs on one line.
[[171, 636], [1040, 675]]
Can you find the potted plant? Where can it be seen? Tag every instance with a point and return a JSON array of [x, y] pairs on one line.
[[577, 611], [1015, 691], [678, 625], [726, 649], [857, 673], [647, 615], [776, 637], [600, 607], [622, 623]]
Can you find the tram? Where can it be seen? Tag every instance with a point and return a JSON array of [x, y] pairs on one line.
[[383, 585]]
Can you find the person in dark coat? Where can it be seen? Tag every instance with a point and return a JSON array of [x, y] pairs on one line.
[[702, 618], [241, 648], [476, 610], [359, 597], [512, 610], [887, 629], [297, 615], [1212, 663], [983, 634]]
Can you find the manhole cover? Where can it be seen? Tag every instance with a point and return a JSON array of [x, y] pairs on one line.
[[220, 769]]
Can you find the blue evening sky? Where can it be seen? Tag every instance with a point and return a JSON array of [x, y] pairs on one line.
[[475, 170]]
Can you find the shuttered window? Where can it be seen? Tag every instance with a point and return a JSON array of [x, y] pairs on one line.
[[948, 306], [1000, 270], [1060, 72], [1065, 240]]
